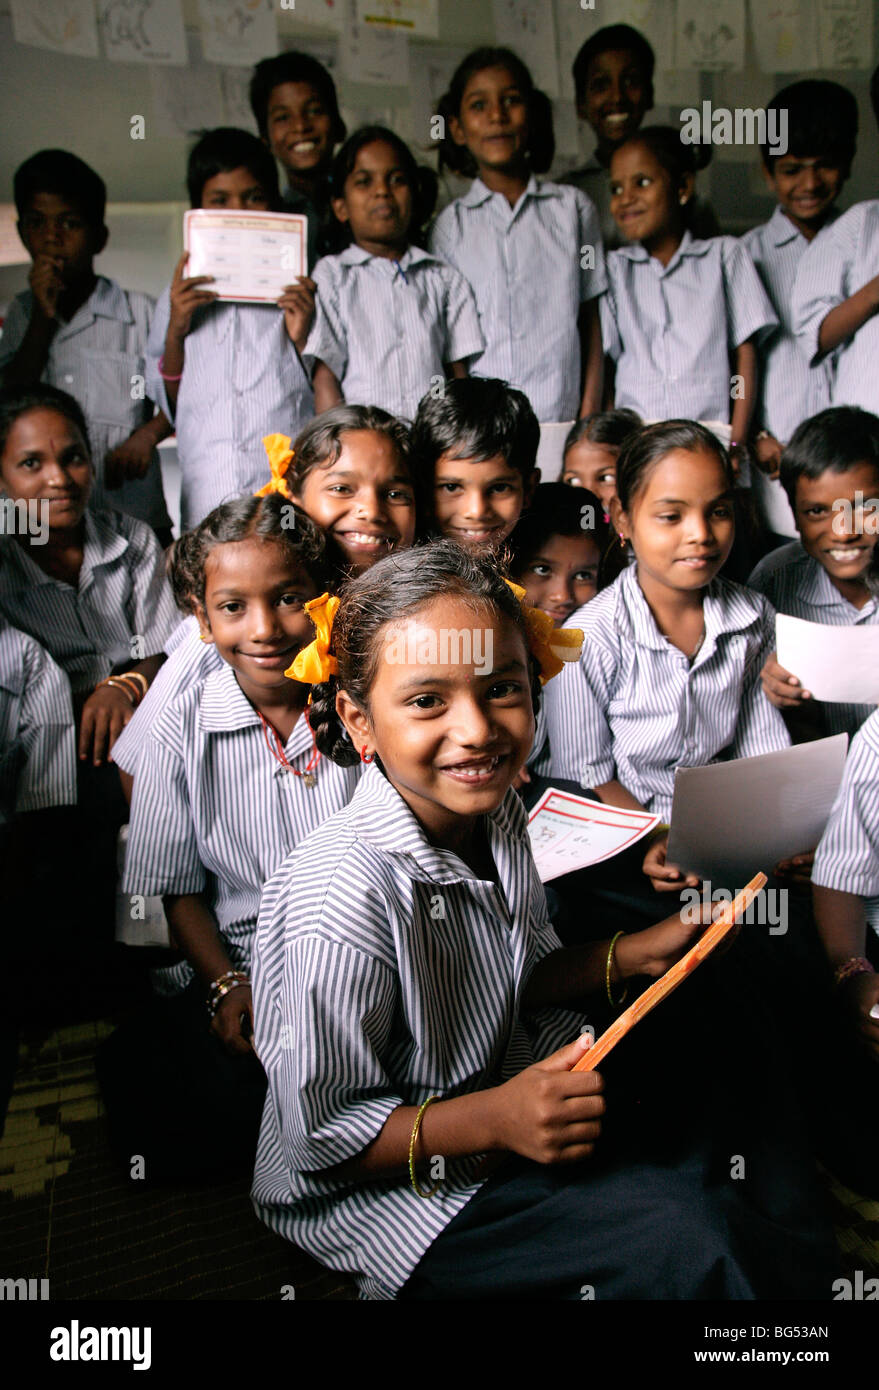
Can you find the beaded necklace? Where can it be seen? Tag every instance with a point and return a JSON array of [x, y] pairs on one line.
[[276, 749]]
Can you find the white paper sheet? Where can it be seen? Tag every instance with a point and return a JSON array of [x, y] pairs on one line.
[[570, 832], [329, 14], [834, 663], [729, 820], [63, 26], [237, 32], [845, 34], [252, 255], [150, 31], [710, 35], [785, 34], [373, 53], [528, 28], [412, 16]]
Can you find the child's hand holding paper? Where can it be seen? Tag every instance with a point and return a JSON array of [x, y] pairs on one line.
[[782, 688]]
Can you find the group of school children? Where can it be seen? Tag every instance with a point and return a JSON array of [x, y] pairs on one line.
[[366, 1000]]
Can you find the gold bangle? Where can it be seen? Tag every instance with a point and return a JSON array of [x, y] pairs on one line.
[[136, 676], [419, 1192], [614, 1003], [117, 684]]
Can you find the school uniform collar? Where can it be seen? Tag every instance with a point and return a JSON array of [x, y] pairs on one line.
[[106, 301], [412, 256], [102, 544], [726, 609], [634, 251], [782, 230], [478, 193], [819, 590], [380, 817], [224, 708]]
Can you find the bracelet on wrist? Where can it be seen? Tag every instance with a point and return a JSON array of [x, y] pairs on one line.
[[219, 988], [165, 375], [117, 683], [417, 1189], [608, 969]]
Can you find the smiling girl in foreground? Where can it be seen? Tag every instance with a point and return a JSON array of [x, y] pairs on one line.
[[410, 995]]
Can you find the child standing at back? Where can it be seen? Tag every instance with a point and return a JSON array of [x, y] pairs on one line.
[[227, 374], [531, 250], [391, 319], [822, 123], [83, 333]]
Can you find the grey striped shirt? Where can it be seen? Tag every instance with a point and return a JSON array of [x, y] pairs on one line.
[[796, 584], [121, 612], [213, 812], [847, 857], [189, 662], [37, 749], [530, 273], [384, 973], [99, 357], [242, 379], [840, 261], [790, 389], [670, 329], [385, 328], [635, 708]]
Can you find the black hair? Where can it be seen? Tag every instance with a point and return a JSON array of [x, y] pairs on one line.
[[473, 418], [558, 510], [651, 444], [822, 119], [226, 148], [263, 518], [421, 180], [614, 37], [293, 66], [321, 441], [541, 141], [18, 400], [397, 587], [611, 427], [837, 439], [65, 175]]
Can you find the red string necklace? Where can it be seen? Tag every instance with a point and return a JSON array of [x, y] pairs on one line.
[[277, 750]]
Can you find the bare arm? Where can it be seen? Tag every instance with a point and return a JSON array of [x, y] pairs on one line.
[[846, 318], [327, 391], [591, 357], [744, 366]]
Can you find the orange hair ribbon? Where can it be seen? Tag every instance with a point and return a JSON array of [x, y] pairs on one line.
[[314, 664], [277, 446], [550, 646]]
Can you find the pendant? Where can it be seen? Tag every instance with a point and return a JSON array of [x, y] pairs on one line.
[[309, 779]]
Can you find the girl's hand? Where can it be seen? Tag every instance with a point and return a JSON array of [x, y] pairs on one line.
[[549, 1113], [768, 451], [104, 715], [186, 297], [130, 459], [798, 868], [233, 1015], [665, 877], [297, 301], [655, 950], [46, 283], [781, 688], [860, 993]]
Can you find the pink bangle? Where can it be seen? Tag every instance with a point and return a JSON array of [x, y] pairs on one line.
[[164, 375]]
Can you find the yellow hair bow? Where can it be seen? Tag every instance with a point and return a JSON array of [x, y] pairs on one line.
[[550, 646], [277, 446], [314, 664]]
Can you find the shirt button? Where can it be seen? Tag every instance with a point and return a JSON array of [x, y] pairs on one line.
[[68, 380]]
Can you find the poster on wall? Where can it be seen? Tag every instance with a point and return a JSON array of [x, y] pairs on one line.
[[710, 35], [372, 53], [413, 16], [845, 34], [149, 32], [238, 32], [62, 26], [528, 27], [327, 14], [785, 34]]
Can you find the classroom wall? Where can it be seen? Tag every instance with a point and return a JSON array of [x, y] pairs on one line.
[[87, 104]]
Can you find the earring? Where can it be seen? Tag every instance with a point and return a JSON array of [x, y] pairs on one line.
[[364, 756], [623, 541], [201, 637]]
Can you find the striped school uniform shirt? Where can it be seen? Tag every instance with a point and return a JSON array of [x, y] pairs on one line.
[[386, 972], [797, 584], [670, 329], [525, 266], [213, 812], [190, 662], [840, 261], [121, 611], [847, 857], [37, 739], [242, 379], [99, 357], [385, 328], [635, 708]]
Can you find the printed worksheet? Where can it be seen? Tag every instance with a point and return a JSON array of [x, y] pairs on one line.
[[251, 255], [571, 832], [832, 663]]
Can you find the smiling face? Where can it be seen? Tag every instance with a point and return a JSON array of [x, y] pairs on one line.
[[451, 736], [616, 96], [593, 466], [562, 575], [52, 226], [478, 502], [843, 552], [377, 199], [365, 500], [806, 188], [238, 190], [493, 120], [644, 201], [680, 522], [46, 460], [299, 128], [254, 613]]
